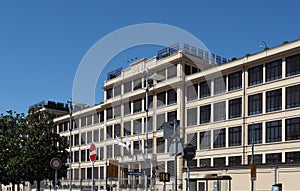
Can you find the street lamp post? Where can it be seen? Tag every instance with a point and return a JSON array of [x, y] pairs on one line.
[[252, 156], [71, 139]]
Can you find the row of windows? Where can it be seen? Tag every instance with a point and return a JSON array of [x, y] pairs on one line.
[[133, 127], [116, 150], [270, 158], [273, 103], [273, 133], [203, 88], [273, 70], [274, 100], [163, 74], [86, 173], [163, 98]]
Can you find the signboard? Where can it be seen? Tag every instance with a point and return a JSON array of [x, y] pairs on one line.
[[93, 152], [164, 177], [55, 163], [189, 152], [253, 171], [113, 169], [135, 173]]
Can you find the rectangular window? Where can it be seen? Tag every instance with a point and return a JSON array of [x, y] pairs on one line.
[[101, 172], [205, 89], [292, 129], [161, 75], [235, 108], [89, 135], [109, 113], [137, 84], [150, 124], [117, 151], [220, 85], [101, 116], [273, 100], [205, 162], [273, 131], [292, 157], [192, 92], [150, 102], [205, 140], [293, 96], [109, 132], [192, 116], [117, 90], [89, 120], [89, 173], [102, 134], [117, 111], [101, 153], [83, 121], [235, 161], [96, 118], [255, 75], [76, 174], [76, 123], [170, 167], [160, 119], [187, 69], [161, 99], [257, 159], [76, 139], [83, 155], [160, 145], [172, 116], [255, 104], [172, 96], [220, 111], [127, 108], [235, 136], [293, 65], [127, 87], [137, 105], [137, 126], [274, 158], [219, 138], [235, 81], [273, 70], [109, 151], [257, 133], [109, 93], [76, 156], [83, 138], [205, 112], [82, 173], [96, 136], [127, 128], [117, 130], [220, 162], [137, 147], [192, 139], [172, 71]]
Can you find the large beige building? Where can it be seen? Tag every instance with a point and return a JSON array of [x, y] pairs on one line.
[[222, 108]]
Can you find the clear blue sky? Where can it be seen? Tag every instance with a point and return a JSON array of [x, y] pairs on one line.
[[43, 42]]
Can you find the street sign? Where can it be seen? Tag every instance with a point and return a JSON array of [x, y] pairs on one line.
[[55, 163], [93, 152], [134, 173], [189, 152]]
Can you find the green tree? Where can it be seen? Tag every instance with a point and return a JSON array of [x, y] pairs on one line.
[[12, 138], [41, 145]]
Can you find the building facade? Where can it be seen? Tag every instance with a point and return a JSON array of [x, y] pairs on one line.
[[223, 107]]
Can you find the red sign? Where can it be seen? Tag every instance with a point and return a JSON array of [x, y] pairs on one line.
[[55, 163], [93, 152]]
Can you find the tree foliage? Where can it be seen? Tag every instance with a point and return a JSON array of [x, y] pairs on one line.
[[27, 146]]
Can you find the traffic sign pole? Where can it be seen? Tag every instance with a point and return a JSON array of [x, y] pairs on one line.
[[93, 181], [55, 185], [93, 155]]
